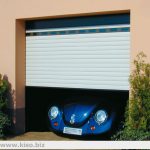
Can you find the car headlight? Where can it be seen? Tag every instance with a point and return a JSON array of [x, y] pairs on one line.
[[53, 112], [101, 116]]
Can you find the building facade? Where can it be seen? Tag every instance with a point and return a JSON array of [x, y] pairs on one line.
[[15, 13]]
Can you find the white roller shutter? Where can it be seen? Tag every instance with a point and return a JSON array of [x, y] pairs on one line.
[[94, 57]]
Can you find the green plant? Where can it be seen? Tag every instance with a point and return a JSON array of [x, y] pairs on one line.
[[137, 116], [4, 121]]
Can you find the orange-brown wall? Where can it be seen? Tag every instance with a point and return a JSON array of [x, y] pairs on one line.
[[13, 13]]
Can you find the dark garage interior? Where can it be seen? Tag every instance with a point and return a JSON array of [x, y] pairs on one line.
[[39, 99]]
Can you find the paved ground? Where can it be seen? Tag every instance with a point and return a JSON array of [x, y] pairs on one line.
[[46, 136], [50, 136]]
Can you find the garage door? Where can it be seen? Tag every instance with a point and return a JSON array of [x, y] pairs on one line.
[[79, 53]]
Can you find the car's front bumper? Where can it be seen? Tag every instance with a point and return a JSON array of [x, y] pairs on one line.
[[89, 128]]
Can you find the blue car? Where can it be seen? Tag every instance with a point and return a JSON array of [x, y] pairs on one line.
[[81, 118]]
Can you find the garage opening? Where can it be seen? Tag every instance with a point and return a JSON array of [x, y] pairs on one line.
[[69, 58]]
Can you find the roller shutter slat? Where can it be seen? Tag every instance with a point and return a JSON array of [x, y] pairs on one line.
[[91, 61]]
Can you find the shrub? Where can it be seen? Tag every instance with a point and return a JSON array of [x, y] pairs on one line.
[[137, 116], [4, 121]]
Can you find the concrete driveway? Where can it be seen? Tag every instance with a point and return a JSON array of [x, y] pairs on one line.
[[50, 136], [46, 136]]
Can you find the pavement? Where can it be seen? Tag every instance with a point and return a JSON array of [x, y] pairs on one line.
[[43, 136], [50, 136]]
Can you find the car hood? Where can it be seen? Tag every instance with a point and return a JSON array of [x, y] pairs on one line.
[[76, 114]]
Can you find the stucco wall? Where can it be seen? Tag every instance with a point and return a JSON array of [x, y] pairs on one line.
[[12, 34]]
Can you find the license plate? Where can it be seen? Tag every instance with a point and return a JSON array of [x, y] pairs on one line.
[[75, 131]]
